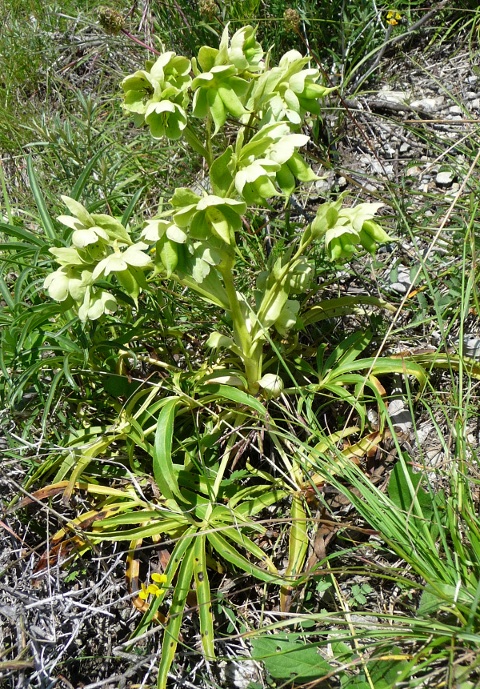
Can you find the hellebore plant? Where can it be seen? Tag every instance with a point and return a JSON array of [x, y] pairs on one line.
[[195, 242], [255, 163]]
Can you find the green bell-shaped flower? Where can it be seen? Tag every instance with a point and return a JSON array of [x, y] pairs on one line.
[[219, 92], [68, 281], [165, 119], [96, 303]]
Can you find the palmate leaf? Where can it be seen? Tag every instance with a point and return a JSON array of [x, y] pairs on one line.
[[231, 554], [289, 660]]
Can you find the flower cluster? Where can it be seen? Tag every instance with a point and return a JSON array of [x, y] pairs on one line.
[[345, 228], [158, 95], [153, 589], [393, 17], [100, 246]]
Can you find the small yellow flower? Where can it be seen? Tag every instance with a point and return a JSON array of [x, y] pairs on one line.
[[153, 589], [393, 17]]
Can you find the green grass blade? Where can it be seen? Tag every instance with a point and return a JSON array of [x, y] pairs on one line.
[[85, 176], [45, 216], [21, 233]]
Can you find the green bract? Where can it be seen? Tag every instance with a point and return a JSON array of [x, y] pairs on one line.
[[219, 93], [165, 119], [288, 91], [119, 261]]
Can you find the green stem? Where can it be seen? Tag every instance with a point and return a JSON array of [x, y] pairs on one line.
[[193, 141], [252, 359]]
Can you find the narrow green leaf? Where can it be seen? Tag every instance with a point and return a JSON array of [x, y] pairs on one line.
[[81, 182], [231, 554], [45, 216], [5, 293], [172, 630], [127, 213], [163, 469], [297, 545], [348, 350], [21, 233], [202, 584], [238, 396], [171, 569]]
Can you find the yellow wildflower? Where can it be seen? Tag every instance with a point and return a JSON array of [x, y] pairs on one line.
[[153, 589], [393, 17]]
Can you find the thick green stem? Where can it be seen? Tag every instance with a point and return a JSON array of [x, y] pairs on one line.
[[252, 356]]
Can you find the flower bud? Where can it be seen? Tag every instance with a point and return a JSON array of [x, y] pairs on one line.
[[272, 385], [111, 21], [300, 278]]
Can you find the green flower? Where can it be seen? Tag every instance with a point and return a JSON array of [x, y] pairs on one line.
[[270, 158], [157, 228], [140, 89], [68, 281], [208, 215], [119, 261], [219, 92], [165, 118], [255, 182], [68, 255], [95, 304], [288, 91], [172, 70], [91, 228], [340, 242], [245, 51], [166, 79]]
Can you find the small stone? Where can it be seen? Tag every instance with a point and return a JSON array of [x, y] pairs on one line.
[[453, 190], [404, 148], [470, 95], [476, 104], [413, 171], [472, 79], [342, 182], [399, 287], [455, 110], [444, 179], [427, 104], [471, 346], [393, 96]]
